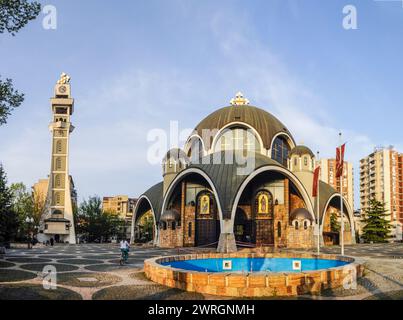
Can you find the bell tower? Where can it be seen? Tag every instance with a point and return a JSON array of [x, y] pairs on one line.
[[58, 220]]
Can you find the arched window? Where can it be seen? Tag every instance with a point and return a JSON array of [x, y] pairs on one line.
[[173, 225], [58, 200], [58, 163], [296, 225], [58, 181], [305, 224], [278, 229], [59, 148], [237, 138], [295, 161], [195, 152], [280, 150], [305, 161]]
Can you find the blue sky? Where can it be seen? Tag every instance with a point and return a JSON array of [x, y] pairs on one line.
[[136, 65]]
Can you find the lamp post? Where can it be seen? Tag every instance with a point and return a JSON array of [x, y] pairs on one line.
[[29, 220]]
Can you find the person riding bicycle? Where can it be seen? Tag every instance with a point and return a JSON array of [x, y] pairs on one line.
[[124, 248]]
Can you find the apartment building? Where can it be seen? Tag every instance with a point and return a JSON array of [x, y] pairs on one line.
[[381, 178]]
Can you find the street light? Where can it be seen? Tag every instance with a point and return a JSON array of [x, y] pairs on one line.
[[29, 221]]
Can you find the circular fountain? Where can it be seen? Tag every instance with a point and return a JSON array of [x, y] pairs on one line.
[[251, 274]]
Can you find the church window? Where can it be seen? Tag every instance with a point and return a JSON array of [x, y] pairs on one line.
[[296, 225], [278, 229], [237, 139], [195, 152], [305, 225], [280, 150], [305, 161]]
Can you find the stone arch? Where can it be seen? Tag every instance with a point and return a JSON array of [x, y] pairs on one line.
[[144, 202], [347, 211], [180, 177], [206, 230], [298, 184]]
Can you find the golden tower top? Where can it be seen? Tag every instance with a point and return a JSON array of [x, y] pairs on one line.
[[64, 79], [239, 100]]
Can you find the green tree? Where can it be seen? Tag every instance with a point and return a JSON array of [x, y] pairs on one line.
[[23, 206], [95, 224], [9, 99], [9, 222], [14, 15], [376, 227]]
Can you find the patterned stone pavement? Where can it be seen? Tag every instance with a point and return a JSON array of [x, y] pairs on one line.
[[92, 271]]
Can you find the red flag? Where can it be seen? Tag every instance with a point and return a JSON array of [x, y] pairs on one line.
[[315, 182], [340, 160]]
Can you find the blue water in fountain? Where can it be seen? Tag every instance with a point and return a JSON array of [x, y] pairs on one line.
[[255, 264]]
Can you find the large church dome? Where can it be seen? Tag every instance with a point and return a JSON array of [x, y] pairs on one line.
[[265, 126]]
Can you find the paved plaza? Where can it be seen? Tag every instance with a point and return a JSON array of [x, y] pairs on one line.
[[92, 271]]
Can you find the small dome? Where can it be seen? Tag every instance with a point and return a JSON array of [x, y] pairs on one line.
[[177, 155], [300, 213], [301, 150], [170, 215]]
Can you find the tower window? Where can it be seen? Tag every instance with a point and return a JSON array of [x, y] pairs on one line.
[[59, 148], [61, 110], [58, 164], [305, 161], [58, 181], [279, 229], [58, 198]]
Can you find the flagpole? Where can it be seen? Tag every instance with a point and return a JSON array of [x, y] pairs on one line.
[[341, 199], [318, 211]]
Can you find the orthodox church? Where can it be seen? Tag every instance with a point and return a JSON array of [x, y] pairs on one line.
[[240, 180]]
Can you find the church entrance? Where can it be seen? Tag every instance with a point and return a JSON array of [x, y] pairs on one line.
[[207, 225], [242, 227]]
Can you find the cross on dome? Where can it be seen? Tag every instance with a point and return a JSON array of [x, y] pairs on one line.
[[239, 100]]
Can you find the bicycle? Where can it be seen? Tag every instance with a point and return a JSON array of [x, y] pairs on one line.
[[124, 256]]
